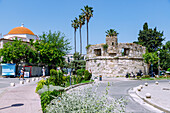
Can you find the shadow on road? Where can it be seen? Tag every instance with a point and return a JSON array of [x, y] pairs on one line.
[[13, 105]]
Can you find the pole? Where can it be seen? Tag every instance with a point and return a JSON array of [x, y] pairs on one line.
[[70, 78], [158, 63]]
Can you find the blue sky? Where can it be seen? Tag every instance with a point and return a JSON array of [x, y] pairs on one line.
[[125, 16]]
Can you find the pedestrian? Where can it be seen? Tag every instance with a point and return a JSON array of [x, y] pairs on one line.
[[92, 76], [22, 74], [127, 75], [43, 72]]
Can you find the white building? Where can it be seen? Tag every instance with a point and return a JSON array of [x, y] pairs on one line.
[[22, 33]]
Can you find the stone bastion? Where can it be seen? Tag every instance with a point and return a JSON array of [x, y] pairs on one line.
[[115, 59]]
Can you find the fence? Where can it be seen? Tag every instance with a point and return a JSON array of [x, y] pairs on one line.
[[36, 70]]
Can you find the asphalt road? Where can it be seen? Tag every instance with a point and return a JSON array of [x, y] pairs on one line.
[[5, 82], [119, 89]]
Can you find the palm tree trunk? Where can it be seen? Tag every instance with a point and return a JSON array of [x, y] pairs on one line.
[[87, 35], [75, 40], [80, 43]]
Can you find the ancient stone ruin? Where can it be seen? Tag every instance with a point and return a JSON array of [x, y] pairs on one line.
[[115, 59]]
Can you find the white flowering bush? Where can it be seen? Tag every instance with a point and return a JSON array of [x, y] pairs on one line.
[[86, 101]]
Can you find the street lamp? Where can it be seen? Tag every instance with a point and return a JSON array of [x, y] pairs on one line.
[[158, 63]]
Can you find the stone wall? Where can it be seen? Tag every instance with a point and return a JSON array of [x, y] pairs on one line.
[[112, 67]]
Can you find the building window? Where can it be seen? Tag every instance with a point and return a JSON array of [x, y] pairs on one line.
[[112, 43], [125, 51], [97, 52], [31, 40]]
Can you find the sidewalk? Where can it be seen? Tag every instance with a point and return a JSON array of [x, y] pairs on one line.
[[160, 95], [20, 99]]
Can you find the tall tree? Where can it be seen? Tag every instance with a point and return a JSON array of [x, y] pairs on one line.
[[151, 58], [78, 62], [150, 38], [81, 22], [88, 13], [75, 25], [52, 47], [165, 56], [111, 32]]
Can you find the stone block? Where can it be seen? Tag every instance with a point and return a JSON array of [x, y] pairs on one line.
[[21, 82], [12, 84]]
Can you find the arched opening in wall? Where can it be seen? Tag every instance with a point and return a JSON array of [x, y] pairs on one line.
[[112, 43], [97, 52], [125, 51], [122, 51]]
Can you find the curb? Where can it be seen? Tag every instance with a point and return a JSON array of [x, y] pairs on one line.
[[73, 86], [154, 105], [139, 100]]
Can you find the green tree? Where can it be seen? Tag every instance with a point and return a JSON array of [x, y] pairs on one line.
[[81, 22], [78, 62], [53, 47], [75, 25], [165, 56], [88, 13], [150, 38], [111, 32], [151, 58], [17, 51]]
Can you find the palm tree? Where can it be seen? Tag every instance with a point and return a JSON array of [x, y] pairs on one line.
[[75, 25], [111, 32], [88, 13], [81, 22]]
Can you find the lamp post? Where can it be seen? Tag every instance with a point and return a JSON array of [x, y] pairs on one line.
[[158, 63]]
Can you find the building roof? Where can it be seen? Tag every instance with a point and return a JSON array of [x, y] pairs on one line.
[[21, 30]]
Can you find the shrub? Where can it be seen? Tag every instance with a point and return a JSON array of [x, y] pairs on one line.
[[79, 79], [87, 75], [80, 72], [40, 85], [68, 78], [47, 97], [86, 101], [75, 79], [56, 77], [53, 72], [105, 46], [87, 47], [168, 69]]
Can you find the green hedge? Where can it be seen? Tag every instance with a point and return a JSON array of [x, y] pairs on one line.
[[47, 97], [168, 69], [87, 75], [56, 77], [40, 85]]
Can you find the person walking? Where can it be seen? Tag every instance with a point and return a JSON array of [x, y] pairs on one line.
[[22, 74], [43, 72]]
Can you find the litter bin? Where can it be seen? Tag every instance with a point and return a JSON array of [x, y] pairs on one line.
[[100, 77]]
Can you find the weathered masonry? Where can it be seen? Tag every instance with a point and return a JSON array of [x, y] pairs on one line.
[[115, 59]]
